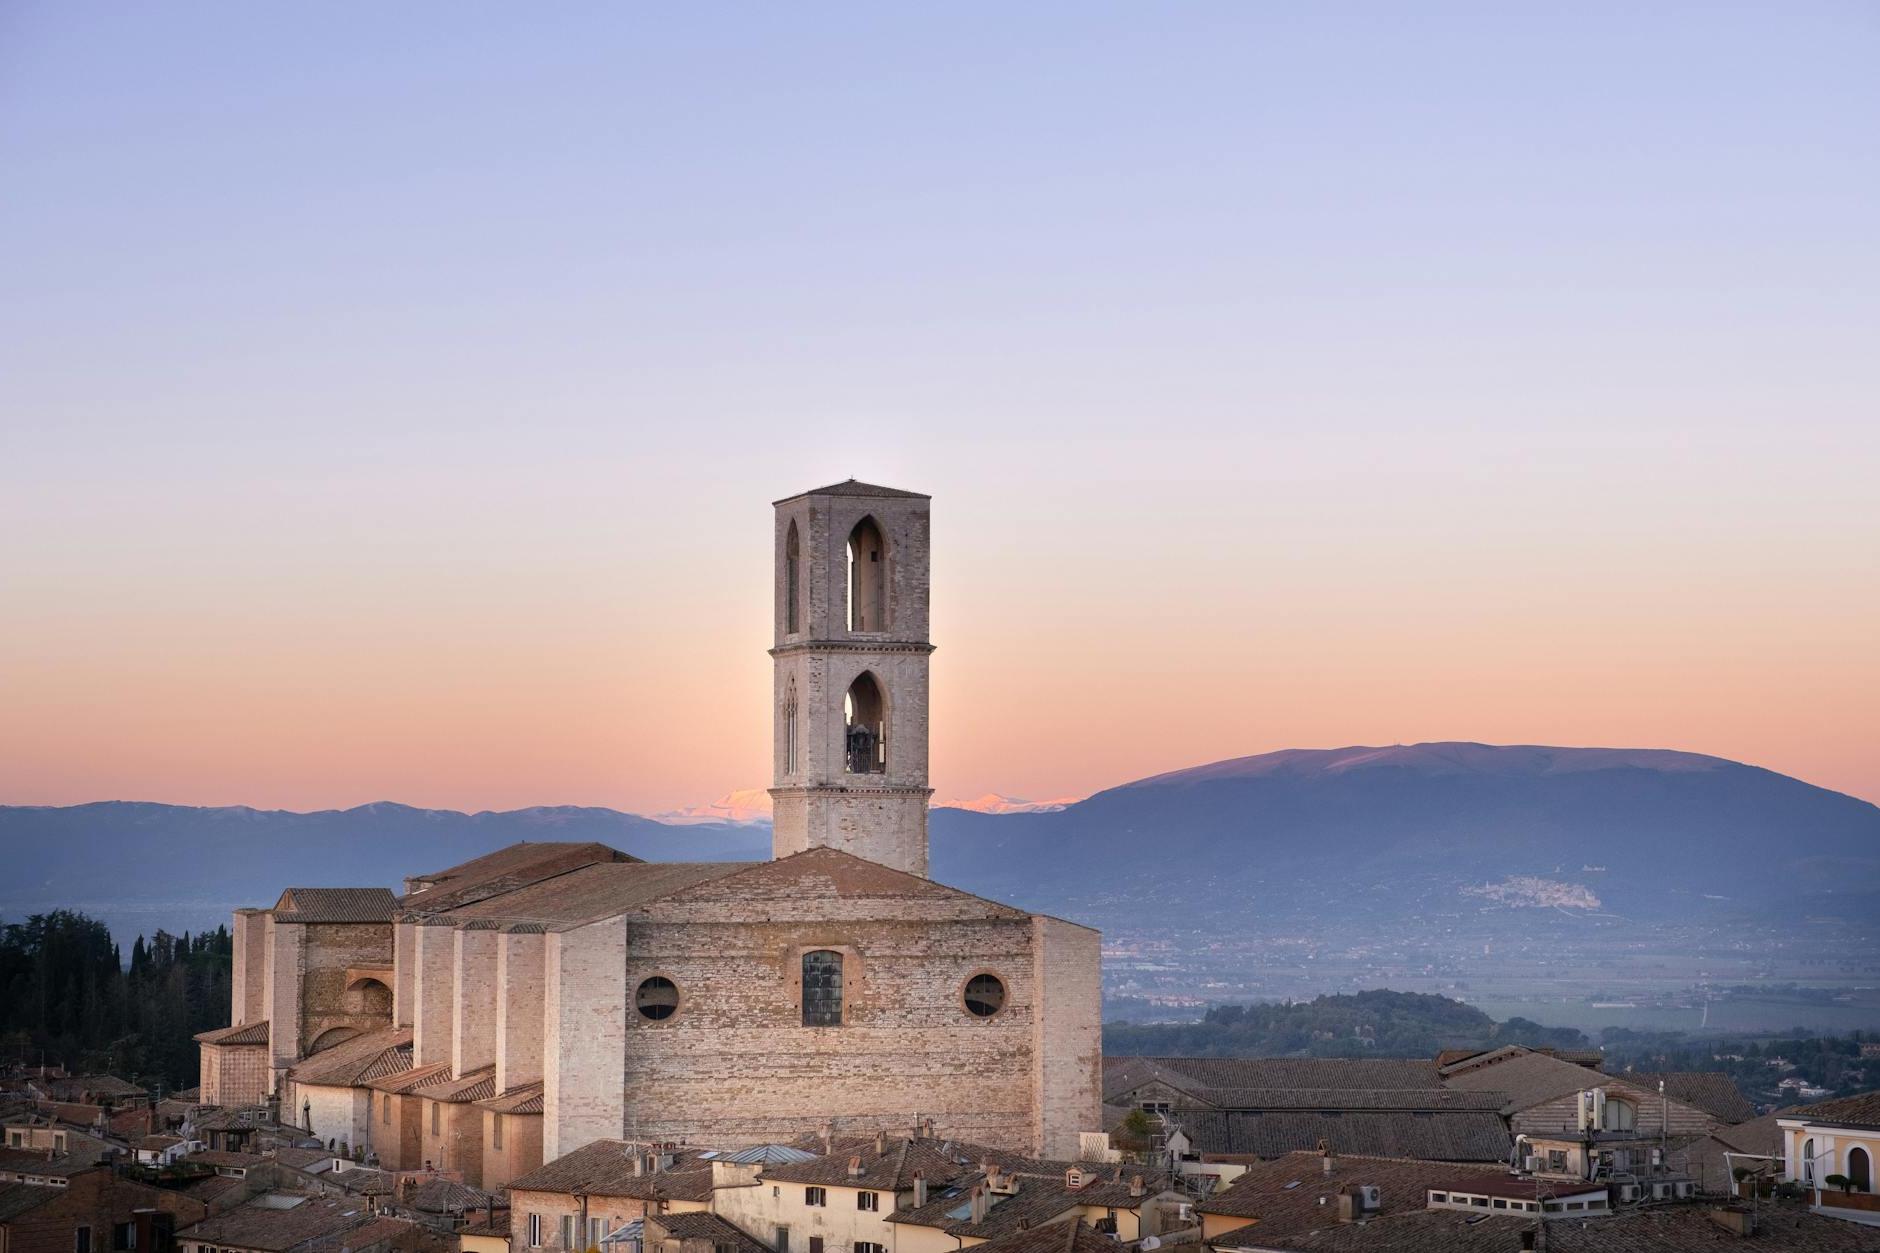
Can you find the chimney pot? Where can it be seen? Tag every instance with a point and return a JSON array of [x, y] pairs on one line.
[[855, 1167], [1135, 1185], [920, 1189]]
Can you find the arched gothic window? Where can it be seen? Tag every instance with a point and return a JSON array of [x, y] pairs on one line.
[[868, 578], [1860, 1169], [789, 728], [865, 717], [822, 988], [1808, 1161], [792, 580]]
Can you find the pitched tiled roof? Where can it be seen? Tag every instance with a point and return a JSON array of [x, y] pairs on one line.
[[1347, 1098], [240, 1033], [1465, 1135], [852, 487], [276, 1230], [526, 1099], [1423, 1231], [1065, 1237], [311, 905], [891, 1170], [504, 870], [348, 1062], [18, 1198], [606, 1168], [793, 887], [1193, 1074], [711, 1227], [601, 890], [1532, 1079], [446, 1196], [1849, 1111], [1785, 1225], [1711, 1091], [1039, 1199], [410, 1079], [477, 1085], [1288, 1194]]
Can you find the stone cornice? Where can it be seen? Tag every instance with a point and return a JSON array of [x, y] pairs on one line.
[[853, 646]]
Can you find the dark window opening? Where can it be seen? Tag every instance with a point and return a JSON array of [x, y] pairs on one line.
[[868, 578], [985, 995], [864, 714], [656, 998], [822, 992], [792, 581]]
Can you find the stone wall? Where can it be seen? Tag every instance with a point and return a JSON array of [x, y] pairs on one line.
[[584, 1044], [330, 1010], [519, 1150], [453, 1138], [1067, 1027], [249, 974], [235, 1074], [735, 1065], [340, 1116], [520, 983]]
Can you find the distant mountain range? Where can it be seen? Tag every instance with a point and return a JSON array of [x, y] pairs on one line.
[[1648, 834]]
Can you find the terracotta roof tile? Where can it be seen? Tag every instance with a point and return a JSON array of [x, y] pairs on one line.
[[719, 1231], [311, 905], [1286, 1194], [276, 1230], [345, 1064], [241, 1033]]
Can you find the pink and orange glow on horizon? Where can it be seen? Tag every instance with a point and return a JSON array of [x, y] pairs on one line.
[[392, 411]]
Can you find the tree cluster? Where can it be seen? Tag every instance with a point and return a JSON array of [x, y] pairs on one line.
[[68, 998]]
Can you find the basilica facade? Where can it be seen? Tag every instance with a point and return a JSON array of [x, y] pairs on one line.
[[514, 1008]]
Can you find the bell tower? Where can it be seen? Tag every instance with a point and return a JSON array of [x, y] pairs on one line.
[[850, 705]]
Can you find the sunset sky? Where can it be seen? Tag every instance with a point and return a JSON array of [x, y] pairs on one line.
[[392, 396]]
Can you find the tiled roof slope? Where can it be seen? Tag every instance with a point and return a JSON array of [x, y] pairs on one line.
[[891, 1170], [1064, 1237], [1424, 1231], [504, 870], [1349, 1098], [526, 1099], [241, 1033], [853, 487], [277, 1230], [1191, 1074], [721, 1232], [311, 905], [1534, 1078], [1850, 1111], [1039, 1199], [798, 887], [1787, 1226], [1711, 1091], [1290, 1193], [606, 1168], [1460, 1135], [348, 1063], [591, 892]]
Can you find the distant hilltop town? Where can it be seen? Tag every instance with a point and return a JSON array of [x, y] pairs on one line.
[[562, 1048]]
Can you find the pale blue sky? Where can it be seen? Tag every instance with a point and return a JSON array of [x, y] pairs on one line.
[[387, 312]]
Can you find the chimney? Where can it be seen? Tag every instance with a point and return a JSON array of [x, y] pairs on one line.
[[828, 1134], [855, 1167], [978, 1201], [1135, 1186], [920, 1189], [639, 1165], [1350, 1206], [1738, 1222], [1325, 1156], [881, 1143]]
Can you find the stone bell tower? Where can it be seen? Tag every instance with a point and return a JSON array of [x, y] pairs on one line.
[[850, 705]]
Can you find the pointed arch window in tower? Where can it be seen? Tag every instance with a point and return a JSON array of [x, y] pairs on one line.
[[789, 728], [865, 716], [868, 578], [792, 580]]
